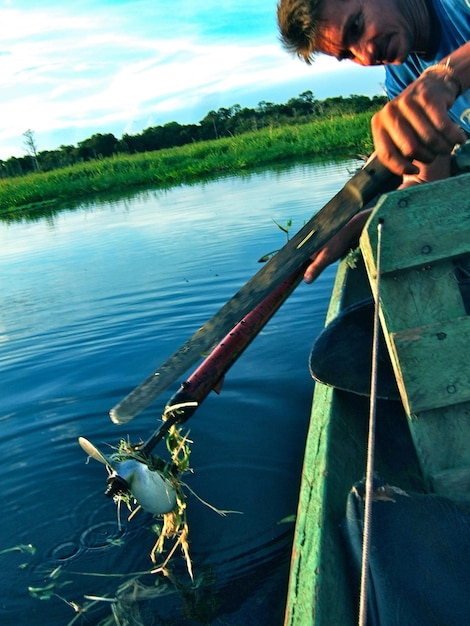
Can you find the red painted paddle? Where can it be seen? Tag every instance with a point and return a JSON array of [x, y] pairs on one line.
[[209, 374]]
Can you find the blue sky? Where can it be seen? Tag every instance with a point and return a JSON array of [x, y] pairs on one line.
[[68, 70]]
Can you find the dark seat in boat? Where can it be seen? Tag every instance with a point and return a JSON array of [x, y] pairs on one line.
[[419, 566]]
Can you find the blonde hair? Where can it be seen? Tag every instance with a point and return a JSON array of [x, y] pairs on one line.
[[298, 22]]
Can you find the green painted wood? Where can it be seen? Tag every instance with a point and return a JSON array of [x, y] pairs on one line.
[[456, 481], [421, 297], [321, 592], [434, 368], [316, 552], [431, 223], [318, 592], [414, 299], [416, 294], [441, 439], [424, 230]]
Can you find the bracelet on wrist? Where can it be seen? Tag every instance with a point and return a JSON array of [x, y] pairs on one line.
[[449, 75]]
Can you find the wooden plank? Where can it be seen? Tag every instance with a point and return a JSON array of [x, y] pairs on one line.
[[455, 482], [319, 592], [415, 299], [441, 440], [431, 222], [421, 297], [425, 229], [433, 366]]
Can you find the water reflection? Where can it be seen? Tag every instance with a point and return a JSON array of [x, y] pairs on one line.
[[92, 301]]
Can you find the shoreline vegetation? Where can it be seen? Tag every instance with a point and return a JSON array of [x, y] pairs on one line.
[[35, 194]]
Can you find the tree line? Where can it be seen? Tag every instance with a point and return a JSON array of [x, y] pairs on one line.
[[216, 124]]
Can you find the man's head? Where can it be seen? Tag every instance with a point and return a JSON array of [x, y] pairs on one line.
[[368, 32]]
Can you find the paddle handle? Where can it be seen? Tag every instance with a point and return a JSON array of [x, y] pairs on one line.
[[372, 179], [215, 366]]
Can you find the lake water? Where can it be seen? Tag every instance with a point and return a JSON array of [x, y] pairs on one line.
[[92, 301]]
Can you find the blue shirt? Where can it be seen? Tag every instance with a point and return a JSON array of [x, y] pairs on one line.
[[454, 18]]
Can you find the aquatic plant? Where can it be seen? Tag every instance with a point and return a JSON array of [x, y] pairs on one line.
[[130, 603], [39, 193]]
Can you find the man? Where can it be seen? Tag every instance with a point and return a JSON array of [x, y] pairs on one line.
[[425, 46]]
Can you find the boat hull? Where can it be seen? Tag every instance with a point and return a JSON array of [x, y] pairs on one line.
[[321, 590]]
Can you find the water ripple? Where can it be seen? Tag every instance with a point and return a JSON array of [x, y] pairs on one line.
[[92, 302]]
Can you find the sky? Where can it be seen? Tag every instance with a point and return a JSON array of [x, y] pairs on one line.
[[72, 69]]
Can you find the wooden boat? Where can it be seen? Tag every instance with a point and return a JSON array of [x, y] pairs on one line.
[[422, 444]]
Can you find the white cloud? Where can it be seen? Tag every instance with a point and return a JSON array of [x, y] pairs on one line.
[[68, 71]]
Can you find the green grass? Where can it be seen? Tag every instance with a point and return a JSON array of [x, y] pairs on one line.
[[41, 192]]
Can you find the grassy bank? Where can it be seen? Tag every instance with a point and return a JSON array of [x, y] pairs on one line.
[[343, 135]]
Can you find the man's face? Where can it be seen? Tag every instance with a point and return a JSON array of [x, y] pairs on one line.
[[368, 32]]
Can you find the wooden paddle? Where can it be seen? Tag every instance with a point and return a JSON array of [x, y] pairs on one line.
[[209, 375], [293, 257]]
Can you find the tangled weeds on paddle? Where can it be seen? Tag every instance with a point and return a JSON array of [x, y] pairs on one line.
[[132, 598], [174, 526]]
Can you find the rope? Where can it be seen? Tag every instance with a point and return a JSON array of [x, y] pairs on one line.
[[370, 443]]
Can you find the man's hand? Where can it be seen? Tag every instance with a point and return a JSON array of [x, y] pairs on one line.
[[415, 125], [337, 246]]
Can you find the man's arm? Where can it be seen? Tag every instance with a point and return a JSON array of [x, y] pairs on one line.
[[348, 237], [415, 125]]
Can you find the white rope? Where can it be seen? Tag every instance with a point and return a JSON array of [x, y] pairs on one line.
[[370, 443]]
